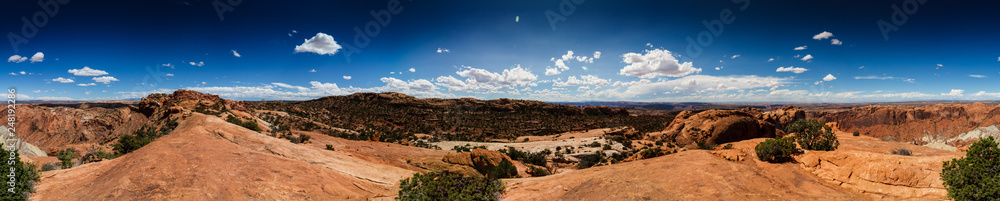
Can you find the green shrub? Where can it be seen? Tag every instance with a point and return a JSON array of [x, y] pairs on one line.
[[505, 169], [650, 153], [25, 177], [539, 172], [330, 147], [449, 186], [776, 150], [728, 146], [128, 143], [856, 133], [814, 135], [304, 137], [66, 156], [976, 176], [252, 125], [902, 152], [537, 158], [587, 161], [607, 147], [595, 144]]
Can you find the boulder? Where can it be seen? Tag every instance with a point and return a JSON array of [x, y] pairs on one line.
[[718, 127]]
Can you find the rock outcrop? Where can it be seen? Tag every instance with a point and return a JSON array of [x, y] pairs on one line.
[[720, 126], [913, 123]]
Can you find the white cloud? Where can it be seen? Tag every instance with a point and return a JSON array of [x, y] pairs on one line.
[[87, 71], [312, 70], [200, 63], [823, 35], [829, 77], [412, 87], [12, 73], [105, 79], [954, 92], [38, 57], [998, 58], [346, 77], [703, 84], [792, 69], [940, 65], [322, 44], [875, 77], [770, 60], [63, 80], [836, 42], [290, 86], [170, 74], [583, 88], [22, 72], [167, 65], [977, 76], [801, 47], [734, 56], [84, 85], [718, 68], [597, 54], [442, 50], [807, 57], [16, 59], [584, 80], [862, 67], [413, 70], [654, 63], [562, 65], [552, 71], [237, 54], [484, 80]]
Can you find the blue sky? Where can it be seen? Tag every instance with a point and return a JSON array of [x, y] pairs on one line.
[[756, 51]]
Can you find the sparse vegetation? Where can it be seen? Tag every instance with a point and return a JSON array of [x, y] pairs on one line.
[[467, 148], [976, 176], [588, 161], [128, 143], [25, 176], [902, 152], [330, 147], [856, 133], [814, 135], [66, 156], [449, 186], [304, 138], [650, 153], [728, 146], [776, 150], [537, 158], [505, 169], [251, 124], [539, 172]]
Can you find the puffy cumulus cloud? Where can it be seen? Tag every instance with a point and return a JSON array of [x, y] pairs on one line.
[[654, 63], [88, 84], [17, 59], [87, 71], [836, 42], [584, 80], [552, 71], [322, 44], [443, 50], [411, 87], [38, 57], [954, 92], [105, 79], [312, 70], [482, 79], [977, 76], [807, 57], [823, 35], [583, 88], [63, 80], [413, 70], [801, 47], [829, 77], [792, 69], [200, 63], [984, 94], [704, 84], [597, 54], [347, 77], [236, 54], [170, 74]]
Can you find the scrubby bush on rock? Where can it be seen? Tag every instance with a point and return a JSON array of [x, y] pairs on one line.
[[66, 156], [449, 186], [776, 150], [814, 135], [24, 178], [975, 177]]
